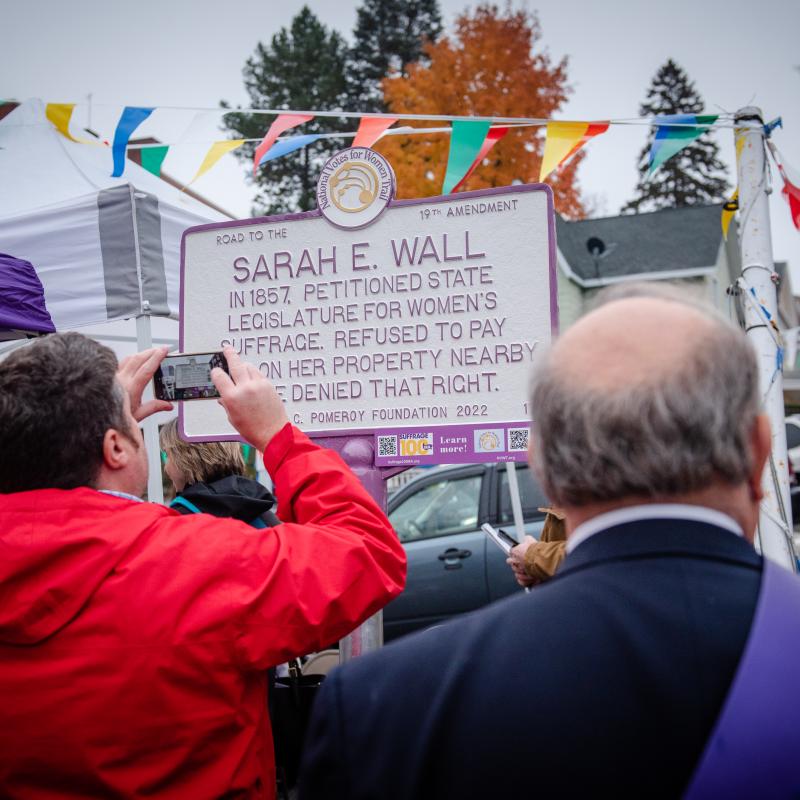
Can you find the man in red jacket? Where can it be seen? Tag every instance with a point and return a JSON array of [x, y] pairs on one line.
[[133, 640]]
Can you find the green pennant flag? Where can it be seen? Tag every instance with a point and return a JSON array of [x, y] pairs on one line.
[[153, 158], [671, 138], [466, 140]]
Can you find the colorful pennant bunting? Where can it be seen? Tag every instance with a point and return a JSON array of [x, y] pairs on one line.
[[286, 146], [214, 154], [674, 132], [471, 141], [466, 139], [132, 117], [283, 123], [564, 139], [153, 158], [492, 138], [370, 129]]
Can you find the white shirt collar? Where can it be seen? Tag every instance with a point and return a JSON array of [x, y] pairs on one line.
[[651, 511], [123, 495]]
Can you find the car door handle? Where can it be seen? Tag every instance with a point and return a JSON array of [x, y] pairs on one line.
[[452, 557]]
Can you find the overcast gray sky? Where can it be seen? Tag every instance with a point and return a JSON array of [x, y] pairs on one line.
[[191, 53]]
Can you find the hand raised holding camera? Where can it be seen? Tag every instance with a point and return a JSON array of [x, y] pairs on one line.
[[253, 406], [134, 373]]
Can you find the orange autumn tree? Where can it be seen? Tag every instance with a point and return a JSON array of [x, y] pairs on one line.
[[491, 66]]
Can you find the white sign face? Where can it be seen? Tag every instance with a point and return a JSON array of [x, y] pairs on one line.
[[421, 329]]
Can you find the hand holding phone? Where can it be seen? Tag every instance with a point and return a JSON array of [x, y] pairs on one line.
[[251, 402], [134, 373], [502, 539], [187, 376]]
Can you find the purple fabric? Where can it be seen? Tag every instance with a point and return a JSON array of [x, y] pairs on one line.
[[22, 305], [755, 746]]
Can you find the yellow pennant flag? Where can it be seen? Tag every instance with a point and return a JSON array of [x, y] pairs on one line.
[[728, 210], [60, 114], [214, 154], [739, 138], [565, 138], [732, 206]]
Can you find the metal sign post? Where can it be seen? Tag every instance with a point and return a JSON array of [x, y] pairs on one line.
[[760, 303], [516, 500]]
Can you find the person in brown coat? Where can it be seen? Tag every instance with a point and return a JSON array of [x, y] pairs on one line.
[[535, 561]]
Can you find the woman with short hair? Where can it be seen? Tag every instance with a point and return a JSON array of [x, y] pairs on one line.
[[209, 477]]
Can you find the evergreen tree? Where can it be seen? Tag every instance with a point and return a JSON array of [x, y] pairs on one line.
[[695, 175], [302, 68], [389, 35]]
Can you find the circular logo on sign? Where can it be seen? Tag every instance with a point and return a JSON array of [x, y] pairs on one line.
[[489, 441], [354, 187]]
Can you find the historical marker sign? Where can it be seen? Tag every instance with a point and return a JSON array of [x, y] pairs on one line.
[[420, 329]]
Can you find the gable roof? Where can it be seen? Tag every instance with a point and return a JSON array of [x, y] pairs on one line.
[[673, 241]]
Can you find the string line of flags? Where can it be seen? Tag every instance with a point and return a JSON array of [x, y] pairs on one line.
[[471, 140]]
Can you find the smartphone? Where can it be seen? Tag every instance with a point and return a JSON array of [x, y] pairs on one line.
[[187, 376], [502, 539]]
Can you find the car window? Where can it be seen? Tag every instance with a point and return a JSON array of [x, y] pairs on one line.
[[792, 436], [439, 509], [530, 493]]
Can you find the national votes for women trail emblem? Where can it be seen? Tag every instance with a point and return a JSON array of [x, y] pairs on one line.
[[354, 187]]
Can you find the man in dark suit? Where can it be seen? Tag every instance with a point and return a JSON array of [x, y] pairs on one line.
[[608, 680]]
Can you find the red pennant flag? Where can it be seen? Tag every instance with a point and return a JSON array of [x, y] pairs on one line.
[[283, 123], [492, 138], [370, 129], [791, 187], [791, 194], [594, 129]]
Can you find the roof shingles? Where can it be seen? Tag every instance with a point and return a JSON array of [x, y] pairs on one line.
[[672, 239]]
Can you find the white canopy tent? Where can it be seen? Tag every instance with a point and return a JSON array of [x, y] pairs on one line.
[[103, 248]]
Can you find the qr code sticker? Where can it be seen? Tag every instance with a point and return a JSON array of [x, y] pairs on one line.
[[387, 446], [518, 438]]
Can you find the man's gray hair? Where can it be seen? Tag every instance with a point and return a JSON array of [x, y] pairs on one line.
[[654, 438]]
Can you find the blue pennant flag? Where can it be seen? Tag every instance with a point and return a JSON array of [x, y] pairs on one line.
[[286, 146], [132, 117]]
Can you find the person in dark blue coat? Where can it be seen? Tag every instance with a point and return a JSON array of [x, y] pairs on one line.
[[606, 681]]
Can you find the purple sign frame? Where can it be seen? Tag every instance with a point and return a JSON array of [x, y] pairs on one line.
[[466, 446]]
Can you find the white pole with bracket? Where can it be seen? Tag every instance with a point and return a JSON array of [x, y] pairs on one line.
[[760, 305]]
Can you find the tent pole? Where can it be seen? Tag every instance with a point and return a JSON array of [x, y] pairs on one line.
[[155, 489]]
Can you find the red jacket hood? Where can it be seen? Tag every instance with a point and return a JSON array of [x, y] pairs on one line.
[[50, 565]]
